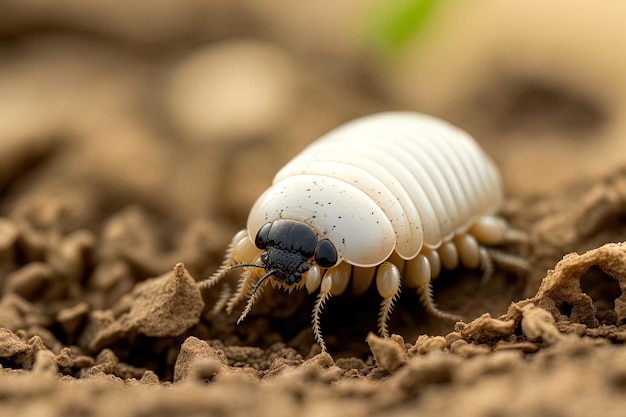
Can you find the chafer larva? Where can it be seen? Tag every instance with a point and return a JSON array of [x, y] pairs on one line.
[[390, 198]]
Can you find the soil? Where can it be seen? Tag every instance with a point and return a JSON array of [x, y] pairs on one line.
[[133, 144]]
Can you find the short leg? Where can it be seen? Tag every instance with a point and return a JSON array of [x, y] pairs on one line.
[[486, 264], [386, 308], [426, 297], [334, 282], [388, 285], [512, 263], [494, 230], [515, 237], [506, 261], [322, 297], [418, 274]]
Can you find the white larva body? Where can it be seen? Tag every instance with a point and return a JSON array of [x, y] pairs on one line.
[[393, 197], [393, 181]]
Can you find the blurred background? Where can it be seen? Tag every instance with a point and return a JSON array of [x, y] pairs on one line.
[[189, 108]]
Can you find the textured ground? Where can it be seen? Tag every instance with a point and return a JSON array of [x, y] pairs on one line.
[[134, 139]]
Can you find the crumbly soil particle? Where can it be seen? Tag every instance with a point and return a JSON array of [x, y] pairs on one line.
[[117, 195]]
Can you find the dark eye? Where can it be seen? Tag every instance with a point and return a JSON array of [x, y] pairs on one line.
[[262, 238], [325, 254]]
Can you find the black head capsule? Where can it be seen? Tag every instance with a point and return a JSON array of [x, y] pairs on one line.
[[287, 247]]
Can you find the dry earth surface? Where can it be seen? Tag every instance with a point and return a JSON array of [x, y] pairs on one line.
[[135, 137]]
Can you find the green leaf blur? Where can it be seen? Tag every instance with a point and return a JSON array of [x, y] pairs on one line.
[[393, 24]]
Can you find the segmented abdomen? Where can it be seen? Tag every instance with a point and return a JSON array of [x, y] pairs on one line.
[[430, 178]]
